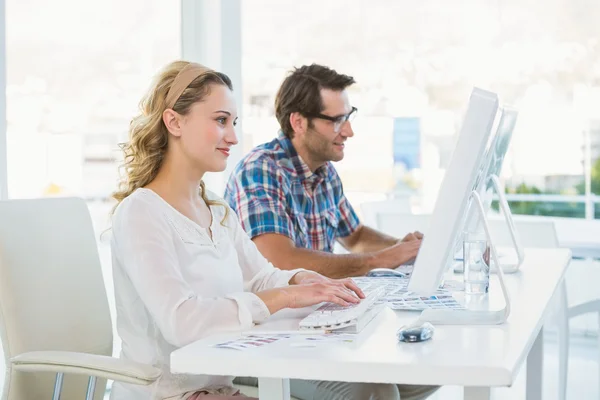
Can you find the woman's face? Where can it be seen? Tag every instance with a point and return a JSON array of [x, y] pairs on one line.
[[207, 132]]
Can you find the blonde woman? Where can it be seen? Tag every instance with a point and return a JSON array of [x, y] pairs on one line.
[[183, 268]]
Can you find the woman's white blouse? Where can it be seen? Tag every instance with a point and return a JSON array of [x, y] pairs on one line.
[[175, 285]]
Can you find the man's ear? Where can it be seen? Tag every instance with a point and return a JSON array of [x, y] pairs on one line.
[[298, 122], [172, 121]]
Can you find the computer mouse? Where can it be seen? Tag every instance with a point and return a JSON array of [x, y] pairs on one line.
[[414, 333], [379, 272]]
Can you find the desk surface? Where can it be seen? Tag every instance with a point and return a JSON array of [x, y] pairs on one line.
[[457, 355]]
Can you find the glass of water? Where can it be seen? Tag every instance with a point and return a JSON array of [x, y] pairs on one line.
[[476, 263]]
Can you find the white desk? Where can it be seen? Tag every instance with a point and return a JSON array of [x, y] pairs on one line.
[[475, 357], [583, 249]]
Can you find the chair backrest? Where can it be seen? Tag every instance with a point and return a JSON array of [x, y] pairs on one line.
[[373, 211], [538, 233], [532, 233], [52, 294], [398, 224]]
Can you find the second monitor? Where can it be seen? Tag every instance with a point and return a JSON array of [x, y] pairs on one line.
[[447, 223]]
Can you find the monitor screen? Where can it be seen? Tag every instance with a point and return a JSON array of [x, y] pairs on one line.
[[497, 153], [447, 220], [491, 165]]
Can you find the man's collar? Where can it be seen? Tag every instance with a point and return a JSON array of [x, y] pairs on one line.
[[299, 165]]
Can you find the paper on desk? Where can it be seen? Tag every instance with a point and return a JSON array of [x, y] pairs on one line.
[[328, 337], [254, 341], [397, 297], [412, 302], [250, 341]]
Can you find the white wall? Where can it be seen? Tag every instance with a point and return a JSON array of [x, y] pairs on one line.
[[3, 147]]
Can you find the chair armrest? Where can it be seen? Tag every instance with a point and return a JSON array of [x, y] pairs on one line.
[[86, 364], [584, 308]]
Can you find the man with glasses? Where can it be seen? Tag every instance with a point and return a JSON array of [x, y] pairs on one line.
[[290, 200], [288, 195]]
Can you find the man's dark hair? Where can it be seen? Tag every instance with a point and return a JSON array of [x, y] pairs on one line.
[[301, 92]]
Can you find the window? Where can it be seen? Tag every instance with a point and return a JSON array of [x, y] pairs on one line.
[[415, 64], [75, 74]]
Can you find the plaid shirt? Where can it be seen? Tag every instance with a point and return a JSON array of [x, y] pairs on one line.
[[272, 190]]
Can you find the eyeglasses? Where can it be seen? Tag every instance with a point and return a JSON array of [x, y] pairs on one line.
[[338, 121]]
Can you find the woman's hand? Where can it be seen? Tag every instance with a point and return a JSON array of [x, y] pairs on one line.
[[309, 277], [305, 277], [343, 292], [308, 288]]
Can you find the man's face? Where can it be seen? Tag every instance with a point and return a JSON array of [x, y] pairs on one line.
[[323, 141]]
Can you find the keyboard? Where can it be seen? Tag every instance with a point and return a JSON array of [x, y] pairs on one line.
[[392, 286], [350, 319]]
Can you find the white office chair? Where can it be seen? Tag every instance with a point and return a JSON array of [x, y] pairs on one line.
[[398, 224], [373, 211], [589, 307], [542, 234], [575, 231], [54, 314]]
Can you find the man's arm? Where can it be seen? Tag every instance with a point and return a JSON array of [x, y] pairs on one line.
[[365, 239], [281, 251]]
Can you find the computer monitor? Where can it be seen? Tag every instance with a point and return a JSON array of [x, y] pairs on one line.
[[448, 217], [487, 183], [492, 161], [496, 153]]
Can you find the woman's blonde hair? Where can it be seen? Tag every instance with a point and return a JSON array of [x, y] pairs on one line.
[[145, 151]]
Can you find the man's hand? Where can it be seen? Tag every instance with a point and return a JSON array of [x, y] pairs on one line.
[[416, 235], [394, 256]]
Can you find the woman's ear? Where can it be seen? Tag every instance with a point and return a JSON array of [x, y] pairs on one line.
[[172, 121]]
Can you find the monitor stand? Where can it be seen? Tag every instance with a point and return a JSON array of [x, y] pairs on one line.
[[508, 268], [474, 317]]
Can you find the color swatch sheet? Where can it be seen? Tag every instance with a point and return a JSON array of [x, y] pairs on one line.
[[397, 297], [246, 342]]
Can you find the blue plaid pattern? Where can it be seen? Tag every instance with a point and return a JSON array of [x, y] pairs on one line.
[[272, 190]]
